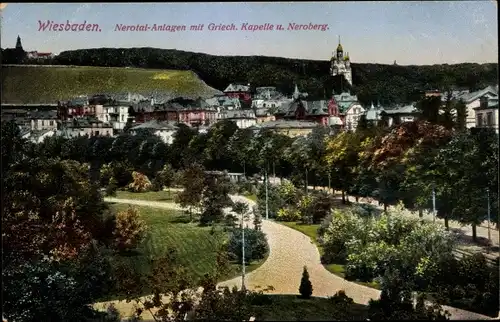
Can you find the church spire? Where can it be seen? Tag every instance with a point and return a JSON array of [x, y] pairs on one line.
[[296, 92], [18, 43]]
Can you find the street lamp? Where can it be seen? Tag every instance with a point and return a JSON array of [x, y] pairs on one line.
[[489, 218], [267, 197], [433, 205], [242, 253]]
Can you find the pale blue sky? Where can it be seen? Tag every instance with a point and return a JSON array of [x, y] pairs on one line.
[[372, 32]]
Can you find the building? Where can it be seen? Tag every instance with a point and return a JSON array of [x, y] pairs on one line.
[[341, 104], [165, 130], [288, 128], [43, 120], [117, 115], [401, 114], [242, 118], [264, 115], [241, 92], [352, 114], [487, 114], [40, 56], [82, 126], [340, 64], [473, 101], [222, 102]]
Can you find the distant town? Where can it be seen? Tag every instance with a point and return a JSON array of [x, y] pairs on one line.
[[248, 106]]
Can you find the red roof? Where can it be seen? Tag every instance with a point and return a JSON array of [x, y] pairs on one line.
[[44, 54]]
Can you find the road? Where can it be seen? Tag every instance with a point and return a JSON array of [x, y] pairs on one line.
[[289, 252]]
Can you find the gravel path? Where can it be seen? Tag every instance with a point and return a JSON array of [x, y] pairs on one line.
[[290, 251]]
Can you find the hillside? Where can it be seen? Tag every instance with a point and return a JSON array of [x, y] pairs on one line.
[[389, 84], [47, 84]]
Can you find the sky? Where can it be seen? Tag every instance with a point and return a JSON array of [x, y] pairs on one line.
[[410, 33]]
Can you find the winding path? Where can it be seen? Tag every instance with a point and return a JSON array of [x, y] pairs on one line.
[[290, 251]]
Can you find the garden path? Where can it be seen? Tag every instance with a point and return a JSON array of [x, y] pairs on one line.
[[289, 252]]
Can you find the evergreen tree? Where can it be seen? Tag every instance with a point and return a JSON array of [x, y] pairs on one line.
[[305, 288]]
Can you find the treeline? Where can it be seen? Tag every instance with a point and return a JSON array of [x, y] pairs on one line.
[[388, 84]]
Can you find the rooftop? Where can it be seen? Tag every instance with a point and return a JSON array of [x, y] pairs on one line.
[[156, 125], [281, 124]]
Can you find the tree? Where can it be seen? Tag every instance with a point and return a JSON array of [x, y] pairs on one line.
[[192, 180], [461, 117], [215, 199], [130, 230], [305, 288], [164, 178], [239, 147], [140, 182]]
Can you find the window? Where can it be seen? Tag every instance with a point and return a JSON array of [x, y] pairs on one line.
[[123, 118], [479, 120], [489, 118], [96, 132], [51, 123]]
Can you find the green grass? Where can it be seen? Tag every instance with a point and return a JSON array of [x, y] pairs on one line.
[[337, 269], [162, 196], [39, 84], [251, 196], [291, 308], [196, 246]]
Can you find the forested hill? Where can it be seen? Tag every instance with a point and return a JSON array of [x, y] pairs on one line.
[[388, 84]]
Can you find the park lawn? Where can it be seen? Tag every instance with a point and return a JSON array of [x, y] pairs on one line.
[[162, 196], [196, 246], [47, 84], [291, 308], [251, 196], [337, 269]]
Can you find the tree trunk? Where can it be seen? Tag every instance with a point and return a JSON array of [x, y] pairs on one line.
[[343, 197], [420, 213], [446, 222], [357, 198], [385, 208], [244, 170], [474, 232]]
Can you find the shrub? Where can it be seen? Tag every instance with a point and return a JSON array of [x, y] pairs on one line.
[[305, 209], [129, 230], [288, 214], [321, 206], [287, 192], [256, 246], [111, 187], [305, 288], [275, 202], [342, 227], [140, 183]]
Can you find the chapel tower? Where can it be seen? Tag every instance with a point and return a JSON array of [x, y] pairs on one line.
[[19, 46], [341, 64]]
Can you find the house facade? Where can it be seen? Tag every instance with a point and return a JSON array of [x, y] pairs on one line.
[[242, 118], [264, 115], [288, 128], [487, 114], [241, 92], [43, 120], [162, 129], [82, 126], [352, 115], [473, 101]]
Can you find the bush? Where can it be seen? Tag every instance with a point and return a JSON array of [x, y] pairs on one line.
[[305, 288], [288, 214], [112, 187], [321, 206], [288, 192], [140, 183], [343, 226], [275, 202], [129, 231], [256, 246]]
